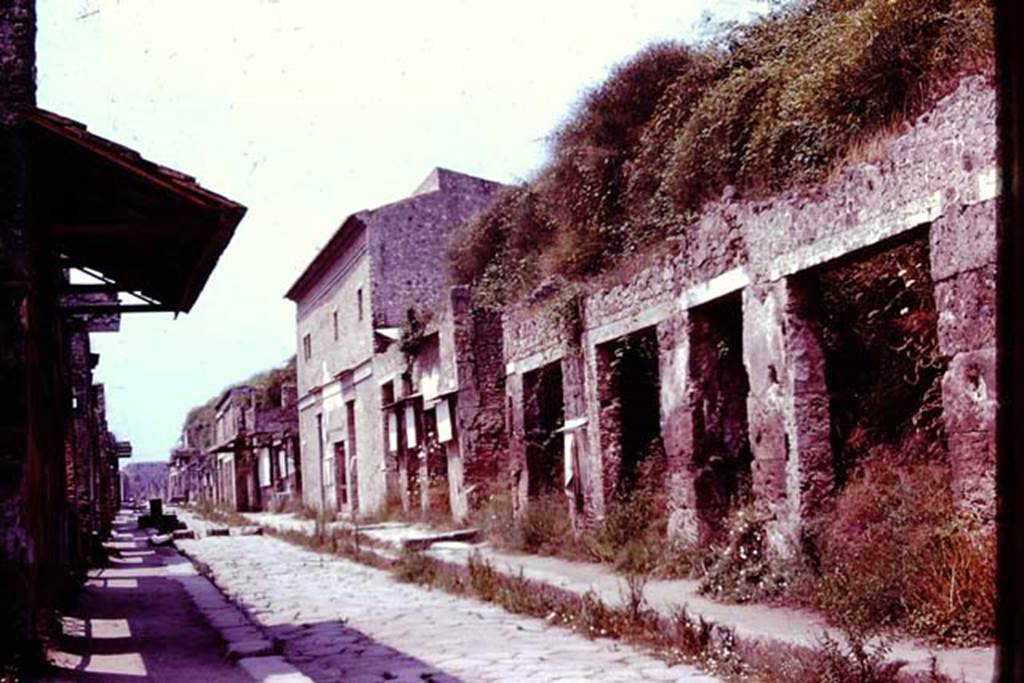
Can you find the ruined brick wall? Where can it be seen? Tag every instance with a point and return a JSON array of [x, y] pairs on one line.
[[393, 259], [939, 171], [35, 525], [409, 242], [532, 336], [480, 416], [471, 380], [17, 88]]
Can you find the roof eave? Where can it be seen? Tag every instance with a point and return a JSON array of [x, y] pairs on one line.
[[323, 259]]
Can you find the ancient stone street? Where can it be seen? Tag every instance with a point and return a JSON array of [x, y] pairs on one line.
[[135, 621], [338, 620]]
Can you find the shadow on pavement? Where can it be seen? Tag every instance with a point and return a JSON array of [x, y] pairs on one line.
[[135, 622]]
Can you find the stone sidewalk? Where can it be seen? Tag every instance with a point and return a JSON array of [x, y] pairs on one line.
[[750, 621], [134, 621], [339, 620]]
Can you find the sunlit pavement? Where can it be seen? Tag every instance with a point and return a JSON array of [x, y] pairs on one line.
[[342, 621], [135, 621]]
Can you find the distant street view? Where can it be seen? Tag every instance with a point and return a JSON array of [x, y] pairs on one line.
[[708, 393]]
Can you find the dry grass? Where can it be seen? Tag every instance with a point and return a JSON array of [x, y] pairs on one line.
[[220, 515], [773, 104], [895, 555]]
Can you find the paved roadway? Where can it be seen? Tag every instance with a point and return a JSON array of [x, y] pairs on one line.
[[342, 621]]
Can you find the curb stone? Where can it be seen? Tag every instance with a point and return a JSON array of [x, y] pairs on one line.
[[244, 641]]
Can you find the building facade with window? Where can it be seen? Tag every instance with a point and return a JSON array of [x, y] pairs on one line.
[[253, 462], [369, 310]]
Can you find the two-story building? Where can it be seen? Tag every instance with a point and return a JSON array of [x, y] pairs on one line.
[[379, 389], [253, 462]]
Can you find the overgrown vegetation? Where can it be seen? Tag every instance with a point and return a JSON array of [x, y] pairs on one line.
[[892, 557], [771, 104], [739, 570], [895, 554], [676, 639], [878, 312], [199, 422], [631, 537]]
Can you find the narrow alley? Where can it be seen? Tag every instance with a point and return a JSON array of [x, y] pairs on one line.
[[574, 342]]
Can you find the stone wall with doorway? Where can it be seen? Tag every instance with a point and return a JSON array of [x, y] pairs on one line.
[[745, 411]]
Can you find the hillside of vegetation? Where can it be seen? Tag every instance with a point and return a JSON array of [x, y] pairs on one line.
[[765, 106], [144, 480]]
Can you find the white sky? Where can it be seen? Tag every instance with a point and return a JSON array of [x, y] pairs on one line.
[[306, 111]]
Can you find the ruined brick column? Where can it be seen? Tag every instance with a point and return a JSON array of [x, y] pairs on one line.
[[575, 406], [788, 410], [481, 434], [963, 257], [514, 419], [677, 426]]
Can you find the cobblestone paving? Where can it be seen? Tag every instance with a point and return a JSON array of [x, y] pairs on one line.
[[339, 620]]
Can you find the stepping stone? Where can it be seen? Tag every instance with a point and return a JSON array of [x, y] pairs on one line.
[[249, 648], [239, 634], [423, 542], [272, 670]]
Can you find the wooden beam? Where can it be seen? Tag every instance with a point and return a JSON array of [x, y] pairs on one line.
[[93, 288], [165, 230], [76, 309]]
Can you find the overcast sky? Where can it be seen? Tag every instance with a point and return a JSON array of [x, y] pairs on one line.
[[306, 111]]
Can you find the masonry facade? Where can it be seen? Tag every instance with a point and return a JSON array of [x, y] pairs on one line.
[[708, 373], [399, 394], [252, 463], [723, 343]]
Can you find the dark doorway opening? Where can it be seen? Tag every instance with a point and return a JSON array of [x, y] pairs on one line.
[[883, 367], [722, 457], [629, 388], [436, 453], [349, 459], [543, 414], [340, 475]]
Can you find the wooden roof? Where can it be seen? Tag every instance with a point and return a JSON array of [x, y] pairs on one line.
[[147, 228]]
